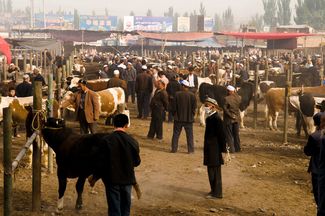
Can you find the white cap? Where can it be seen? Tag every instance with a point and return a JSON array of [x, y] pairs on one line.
[[213, 61], [116, 72], [122, 66], [144, 67], [129, 63], [230, 88], [185, 83], [105, 66], [26, 76], [170, 67]]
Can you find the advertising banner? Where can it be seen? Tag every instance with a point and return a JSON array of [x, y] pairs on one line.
[[98, 23], [128, 24], [183, 24], [208, 24], [155, 24]]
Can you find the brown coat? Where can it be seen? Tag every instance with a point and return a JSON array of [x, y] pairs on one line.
[[91, 105]]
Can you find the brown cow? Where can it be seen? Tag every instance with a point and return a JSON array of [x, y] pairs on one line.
[[275, 101]]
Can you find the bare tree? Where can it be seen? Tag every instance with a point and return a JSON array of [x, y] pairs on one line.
[[202, 9], [149, 13]]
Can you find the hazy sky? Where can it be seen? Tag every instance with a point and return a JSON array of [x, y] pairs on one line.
[[242, 9]]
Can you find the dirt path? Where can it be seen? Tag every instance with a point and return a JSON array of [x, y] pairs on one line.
[[266, 178]]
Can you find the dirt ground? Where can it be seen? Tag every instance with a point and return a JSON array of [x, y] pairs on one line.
[[266, 178]]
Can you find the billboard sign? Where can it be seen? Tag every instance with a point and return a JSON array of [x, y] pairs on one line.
[[156, 24], [53, 21], [208, 24], [183, 24], [128, 24], [98, 23]]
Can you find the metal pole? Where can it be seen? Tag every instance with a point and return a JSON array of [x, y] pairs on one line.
[[234, 72], [50, 114], [266, 69], [7, 175], [255, 94], [36, 178]]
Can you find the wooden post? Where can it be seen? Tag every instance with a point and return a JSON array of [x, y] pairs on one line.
[[58, 83], [4, 68], [255, 95], [25, 61], [68, 67], [36, 178], [266, 69], [50, 114], [234, 72], [36, 61], [286, 103], [64, 75], [7, 175]]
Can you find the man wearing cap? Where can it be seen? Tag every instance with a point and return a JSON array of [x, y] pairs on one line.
[[86, 103], [143, 89], [130, 77], [103, 74], [244, 76], [231, 118], [158, 105], [183, 110], [192, 79], [117, 82], [24, 89], [214, 145], [38, 77], [12, 70]]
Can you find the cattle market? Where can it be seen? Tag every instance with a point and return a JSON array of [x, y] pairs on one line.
[[92, 114]]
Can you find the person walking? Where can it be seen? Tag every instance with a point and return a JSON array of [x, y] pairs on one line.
[[183, 110], [312, 148], [158, 104], [86, 104], [214, 145], [231, 118]]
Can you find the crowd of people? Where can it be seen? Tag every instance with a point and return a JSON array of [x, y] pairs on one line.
[[166, 88]]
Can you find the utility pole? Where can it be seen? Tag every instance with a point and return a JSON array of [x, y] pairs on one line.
[[44, 20], [31, 14]]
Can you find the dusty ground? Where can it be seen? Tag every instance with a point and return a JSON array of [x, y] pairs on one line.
[[266, 178]]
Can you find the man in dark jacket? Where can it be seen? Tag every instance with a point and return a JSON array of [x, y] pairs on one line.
[[38, 77], [143, 88], [116, 81], [312, 149], [192, 79], [231, 118], [24, 89], [172, 87], [158, 105], [130, 77], [122, 155], [183, 109], [321, 172], [214, 145]]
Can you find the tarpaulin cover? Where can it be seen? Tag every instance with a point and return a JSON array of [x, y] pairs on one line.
[[177, 37], [36, 44], [5, 49], [79, 35], [264, 36]]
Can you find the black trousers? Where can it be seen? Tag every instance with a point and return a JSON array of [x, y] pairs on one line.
[[215, 180], [131, 91], [143, 100], [314, 182], [232, 136], [156, 124], [177, 129], [321, 195], [86, 127]]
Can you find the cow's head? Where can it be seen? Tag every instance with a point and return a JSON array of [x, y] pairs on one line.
[[55, 123]]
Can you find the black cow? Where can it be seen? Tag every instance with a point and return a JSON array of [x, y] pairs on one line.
[[219, 93], [76, 155]]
